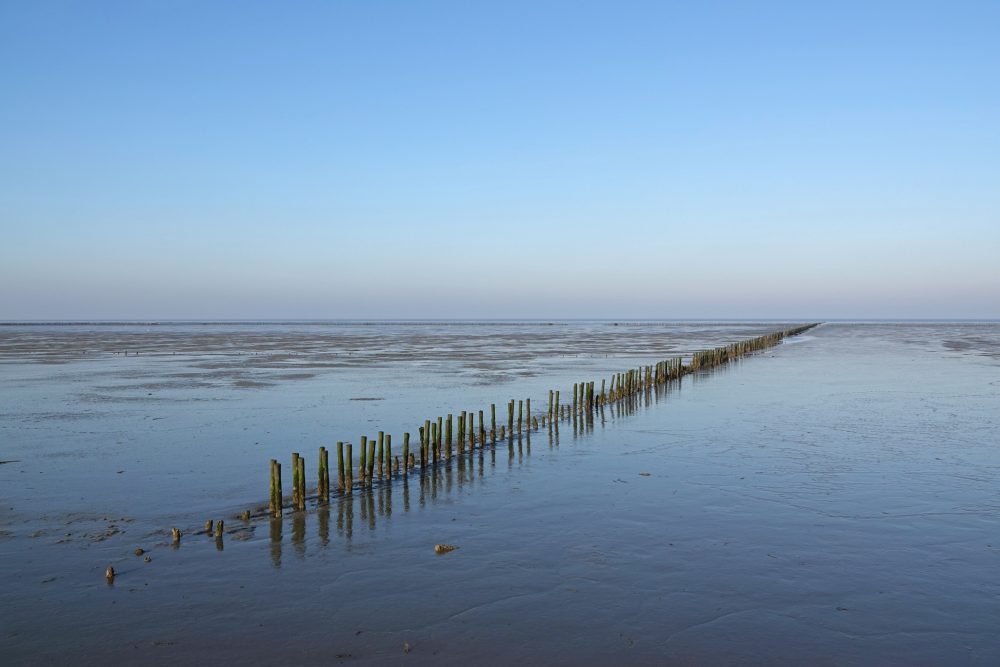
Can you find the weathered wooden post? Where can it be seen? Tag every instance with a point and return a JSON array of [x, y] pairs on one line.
[[363, 461], [295, 480], [349, 468], [380, 457], [340, 465], [302, 483], [371, 461]]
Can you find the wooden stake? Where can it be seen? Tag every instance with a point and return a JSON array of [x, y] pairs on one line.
[[388, 456], [349, 468], [302, 483], [371, 462], [363, 467], [295, 479], [340, 466], [381, 452]]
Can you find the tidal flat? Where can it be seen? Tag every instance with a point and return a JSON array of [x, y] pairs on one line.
[[832, 500]]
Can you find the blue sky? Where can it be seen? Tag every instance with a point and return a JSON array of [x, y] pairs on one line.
[[515, 159]]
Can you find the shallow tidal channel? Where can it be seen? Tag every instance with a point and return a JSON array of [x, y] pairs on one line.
[[832, 500]]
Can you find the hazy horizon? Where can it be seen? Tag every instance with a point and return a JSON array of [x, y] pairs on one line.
[[526, 160]]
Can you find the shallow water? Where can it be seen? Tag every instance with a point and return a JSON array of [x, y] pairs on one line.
[[830, 501]]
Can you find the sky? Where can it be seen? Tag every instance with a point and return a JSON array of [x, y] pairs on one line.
[[228, 160]]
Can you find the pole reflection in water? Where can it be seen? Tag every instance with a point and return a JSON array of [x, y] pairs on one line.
[[369, 501], [434, 483], [276, 528], [299, 533], [323, 521]]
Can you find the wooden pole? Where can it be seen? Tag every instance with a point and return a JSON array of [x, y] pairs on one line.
[[324, 475], [423, 447], [388, 456], [340, 465], [295, 479], [349, 468], [302, 483], [277, 489], [440, 436], [434, 441], [380, 457], [275, 501], [363, 461], [371, 461]]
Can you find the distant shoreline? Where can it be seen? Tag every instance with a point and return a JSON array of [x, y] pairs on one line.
[[481, 322]]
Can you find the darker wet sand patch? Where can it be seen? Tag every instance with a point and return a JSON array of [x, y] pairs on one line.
[[252, 384], [368, 398]]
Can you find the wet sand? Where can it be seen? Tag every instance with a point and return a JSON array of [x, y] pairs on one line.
[[828, 502]]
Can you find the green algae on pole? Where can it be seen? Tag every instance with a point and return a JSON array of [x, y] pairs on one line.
[[371, 462], [440, 436], [362, 460], [323, 490], [388, 456], [434, 443], [448, 423], [381, 451], [340, 465], [278, 501], [275, 502], [302, 483], [423, 447], [348, 470], [295, 479]]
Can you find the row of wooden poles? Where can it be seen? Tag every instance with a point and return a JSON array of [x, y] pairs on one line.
[[445, 437]]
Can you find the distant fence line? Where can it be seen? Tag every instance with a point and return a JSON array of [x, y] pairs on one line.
[[446, 437]]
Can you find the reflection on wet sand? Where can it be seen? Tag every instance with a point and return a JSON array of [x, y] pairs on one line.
[[436, 482]]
